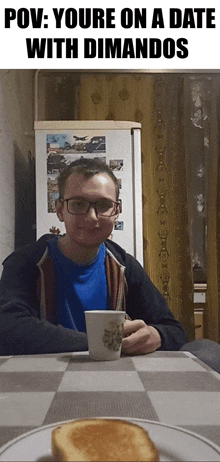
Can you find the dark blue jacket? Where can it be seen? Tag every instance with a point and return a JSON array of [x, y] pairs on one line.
[[28, 323]]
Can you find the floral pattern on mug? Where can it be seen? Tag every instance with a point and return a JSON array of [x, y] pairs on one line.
[[112, 336]]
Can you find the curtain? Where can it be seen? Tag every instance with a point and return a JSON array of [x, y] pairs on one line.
[[202, 152], [163, 104], [211, 88]]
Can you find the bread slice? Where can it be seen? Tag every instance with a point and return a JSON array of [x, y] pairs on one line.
[[99, 439]]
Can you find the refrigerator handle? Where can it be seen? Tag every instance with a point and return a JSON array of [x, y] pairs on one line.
[[137, 194]]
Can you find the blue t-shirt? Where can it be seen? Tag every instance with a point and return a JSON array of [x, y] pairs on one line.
[[79, 288]]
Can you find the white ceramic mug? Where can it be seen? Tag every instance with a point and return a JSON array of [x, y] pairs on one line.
[[104, 332]]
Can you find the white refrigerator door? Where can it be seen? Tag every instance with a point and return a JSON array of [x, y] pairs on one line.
[[58, 143]]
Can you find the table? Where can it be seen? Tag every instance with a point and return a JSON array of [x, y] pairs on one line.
[[175, 388]]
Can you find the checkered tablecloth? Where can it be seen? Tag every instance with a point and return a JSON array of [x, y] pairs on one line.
[[170, 387]]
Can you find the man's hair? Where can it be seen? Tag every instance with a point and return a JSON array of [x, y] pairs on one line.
[[88, 168]]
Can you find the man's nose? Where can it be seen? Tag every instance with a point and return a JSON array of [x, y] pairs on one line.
[[91, 214]]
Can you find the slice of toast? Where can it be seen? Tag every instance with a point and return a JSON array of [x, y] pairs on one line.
[[99, 439]]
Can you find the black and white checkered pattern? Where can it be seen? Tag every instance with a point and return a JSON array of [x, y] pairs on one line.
[[170, 387]]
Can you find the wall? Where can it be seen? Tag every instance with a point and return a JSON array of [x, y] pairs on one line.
[[57, 94], [16, 153]]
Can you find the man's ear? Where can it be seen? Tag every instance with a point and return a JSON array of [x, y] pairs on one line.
[[118, 210], [59, 209]]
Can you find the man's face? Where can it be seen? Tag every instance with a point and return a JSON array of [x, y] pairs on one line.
[[88, 230]]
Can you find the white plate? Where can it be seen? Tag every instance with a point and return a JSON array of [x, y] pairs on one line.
[[173, 444]]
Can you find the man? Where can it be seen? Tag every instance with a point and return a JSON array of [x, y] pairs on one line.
[[46, 287]]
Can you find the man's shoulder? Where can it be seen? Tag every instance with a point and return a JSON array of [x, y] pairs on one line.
[[121, 255], [118, 252], [133, 270], [34, 251]]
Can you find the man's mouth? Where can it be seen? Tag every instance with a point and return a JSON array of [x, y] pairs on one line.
[[91, 230]]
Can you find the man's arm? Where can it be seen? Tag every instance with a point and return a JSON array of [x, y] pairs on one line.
[[144, 302], [21, 330]]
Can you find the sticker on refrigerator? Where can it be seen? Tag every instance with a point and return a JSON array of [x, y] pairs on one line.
[[119, 226], [116, 165], [74, 143], [62, 150]]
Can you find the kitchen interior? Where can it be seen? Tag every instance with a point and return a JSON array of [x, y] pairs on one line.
[[179, 114]]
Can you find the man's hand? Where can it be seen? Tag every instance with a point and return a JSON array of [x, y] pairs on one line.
[[139, 338]]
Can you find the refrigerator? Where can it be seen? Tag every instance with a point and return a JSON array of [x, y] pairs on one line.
[[118, 144]]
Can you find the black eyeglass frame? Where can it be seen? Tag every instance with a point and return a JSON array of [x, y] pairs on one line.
[[91, 203]]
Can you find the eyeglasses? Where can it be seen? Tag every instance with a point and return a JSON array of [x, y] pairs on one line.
[[103, 207]]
